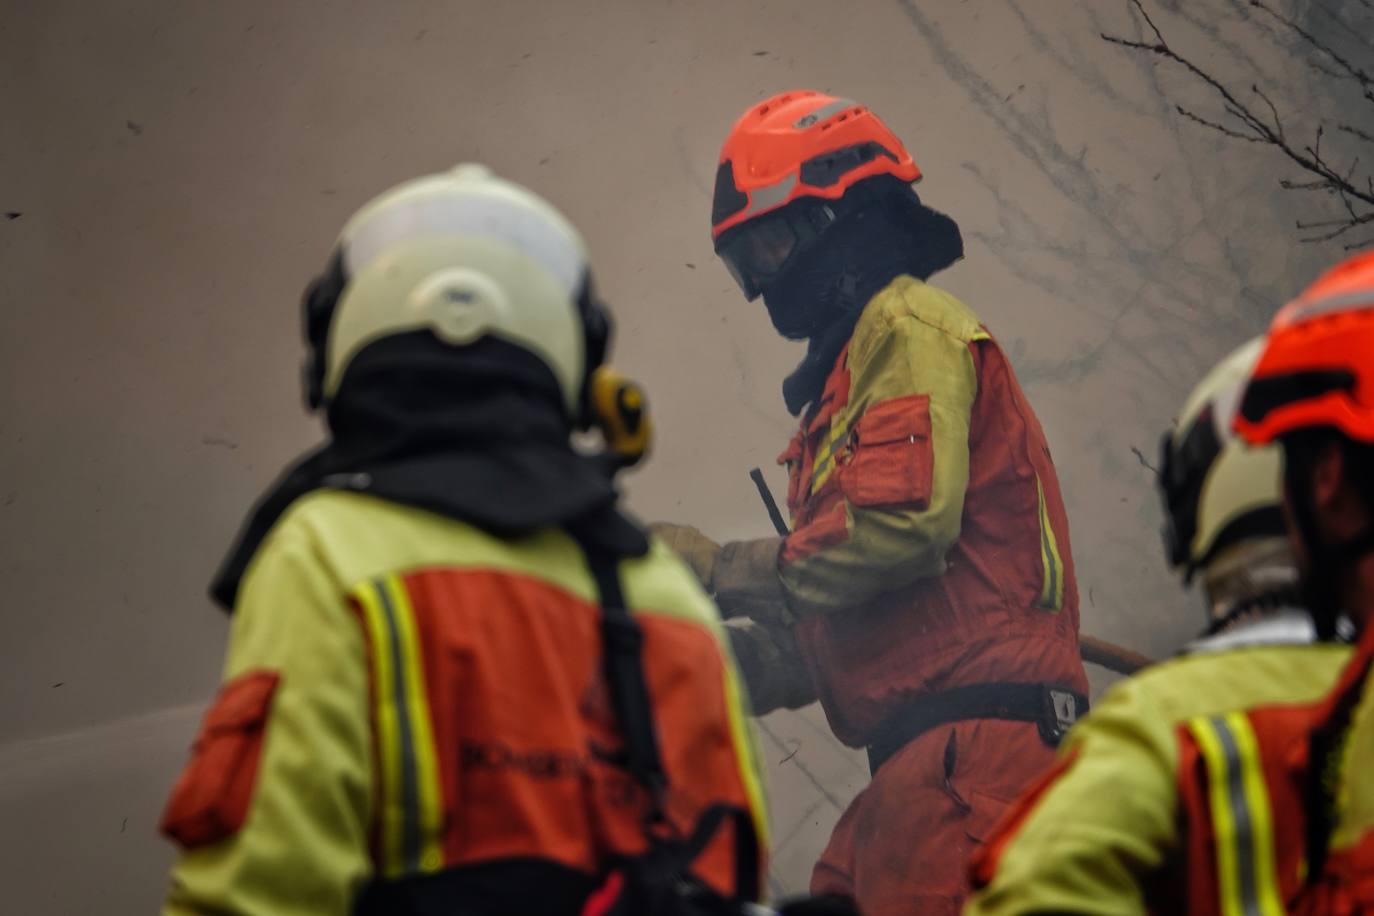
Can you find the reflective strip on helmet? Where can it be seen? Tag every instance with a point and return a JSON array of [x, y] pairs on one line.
[[535, 234], [1242, 821], [1051, 596], [409, 817], [825, 111], [770, 196], [1361, 299]]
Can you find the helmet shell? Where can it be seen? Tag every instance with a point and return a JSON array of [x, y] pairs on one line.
[[801, 144], [464, 254], [1218, 489], [1317, 368]]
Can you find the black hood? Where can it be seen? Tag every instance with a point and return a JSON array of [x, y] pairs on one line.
[[478, 434], [822, 296]]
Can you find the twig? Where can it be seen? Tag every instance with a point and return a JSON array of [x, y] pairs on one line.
[[1254, 127], [1354, 72]]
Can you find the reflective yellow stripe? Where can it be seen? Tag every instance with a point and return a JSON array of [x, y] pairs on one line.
[[1267, 894], [428, 819], [389, 812], [825, 461], [1052, 580], [409, 814], [1242, 820], [747, 753]]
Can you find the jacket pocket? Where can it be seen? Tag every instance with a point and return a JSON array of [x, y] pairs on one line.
[[211, 798], [891, 459]]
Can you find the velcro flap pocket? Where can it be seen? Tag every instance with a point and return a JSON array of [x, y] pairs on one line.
[[891, 459], [211, 799]]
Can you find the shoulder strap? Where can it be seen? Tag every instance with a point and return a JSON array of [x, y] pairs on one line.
[[622, 642]]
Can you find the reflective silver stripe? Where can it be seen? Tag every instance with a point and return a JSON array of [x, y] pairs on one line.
[[1241, 815], [825, 111], [1356, 300], [410, 790], [766, 198]]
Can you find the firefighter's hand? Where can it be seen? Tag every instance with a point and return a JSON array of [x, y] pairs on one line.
[[694, 548], [770, 665], [746, 582]]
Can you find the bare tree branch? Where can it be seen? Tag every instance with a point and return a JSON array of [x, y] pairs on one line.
[[1219, 128], [1340, 230], [1299, 185], [1264, 125], [1359, 75], [1355, 131]]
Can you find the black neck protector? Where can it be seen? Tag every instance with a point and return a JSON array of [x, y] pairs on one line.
[[480, 436], [820, 298], [1327, 564]]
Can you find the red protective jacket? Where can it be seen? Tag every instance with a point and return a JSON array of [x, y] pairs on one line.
[[928, 527], [930, 550]]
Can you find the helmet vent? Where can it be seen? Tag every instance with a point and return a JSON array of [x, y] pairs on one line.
[[826, 169]]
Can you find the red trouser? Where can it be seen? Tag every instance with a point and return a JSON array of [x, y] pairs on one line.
[[903, 845]]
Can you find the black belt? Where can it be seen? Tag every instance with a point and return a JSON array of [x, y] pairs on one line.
[[1054, 709]]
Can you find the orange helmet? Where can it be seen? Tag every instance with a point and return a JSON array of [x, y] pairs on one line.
[[799, 144], [1317, 368]]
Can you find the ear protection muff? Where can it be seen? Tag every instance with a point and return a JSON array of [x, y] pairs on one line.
[[317, 312], [621, 412]]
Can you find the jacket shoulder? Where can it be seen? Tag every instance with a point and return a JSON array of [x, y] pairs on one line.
[[358, 537], [907, 297], [1184, 688]]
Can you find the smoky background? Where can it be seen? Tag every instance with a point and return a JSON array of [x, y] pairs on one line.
[[172, 174]]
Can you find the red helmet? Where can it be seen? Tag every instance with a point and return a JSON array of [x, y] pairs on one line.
[[799, 144], [1317, 368]]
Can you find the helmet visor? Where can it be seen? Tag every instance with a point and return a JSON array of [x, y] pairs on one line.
[[756, 252]]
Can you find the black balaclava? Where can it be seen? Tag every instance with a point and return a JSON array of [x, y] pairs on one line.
[[819, 298], [476, 433], [1326, 562]]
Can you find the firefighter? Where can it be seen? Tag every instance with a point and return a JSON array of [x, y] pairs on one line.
[[423, 707], [1138, 814], [926, 591], [1312, 392]]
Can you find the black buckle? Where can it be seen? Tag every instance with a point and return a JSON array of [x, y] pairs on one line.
[[1059, 712]]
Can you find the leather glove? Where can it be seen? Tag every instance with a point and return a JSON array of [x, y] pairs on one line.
[[771, 666], [694, 548], [746, 582]]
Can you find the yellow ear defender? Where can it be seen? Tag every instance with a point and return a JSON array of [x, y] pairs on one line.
[[620, 411]]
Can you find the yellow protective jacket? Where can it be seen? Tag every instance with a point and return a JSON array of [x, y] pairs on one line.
[[1176, 794], [407, 697]]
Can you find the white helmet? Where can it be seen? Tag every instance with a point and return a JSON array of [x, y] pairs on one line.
[[1218, 492], [464, 254]]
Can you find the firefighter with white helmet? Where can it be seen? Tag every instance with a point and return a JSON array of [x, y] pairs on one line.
[[435, 698]]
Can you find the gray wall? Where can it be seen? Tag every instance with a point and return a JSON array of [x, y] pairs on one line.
[[181, 168]]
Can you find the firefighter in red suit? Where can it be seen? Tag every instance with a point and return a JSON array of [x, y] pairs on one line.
[[926, 593]]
